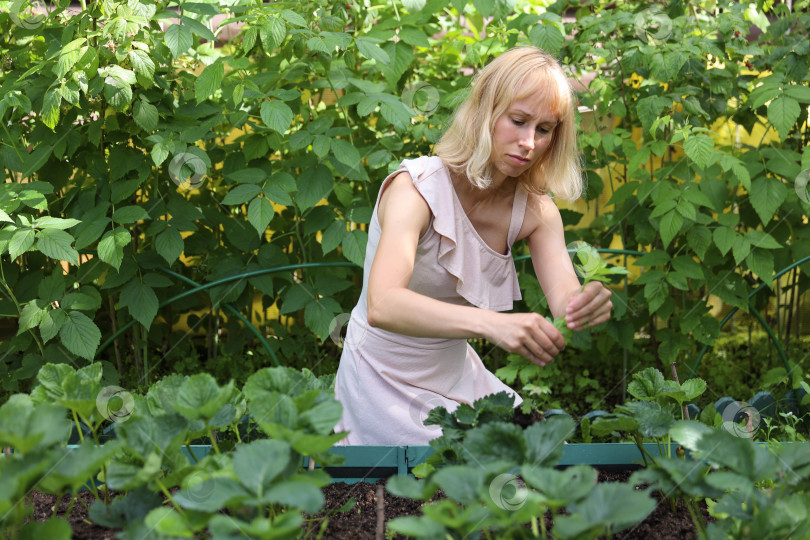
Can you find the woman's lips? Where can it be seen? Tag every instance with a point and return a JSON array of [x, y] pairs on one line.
[[518, 160]]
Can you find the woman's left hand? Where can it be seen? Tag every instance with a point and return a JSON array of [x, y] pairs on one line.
[[590, 307]]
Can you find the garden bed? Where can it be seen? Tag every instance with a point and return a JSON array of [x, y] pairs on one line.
[[360, 522]]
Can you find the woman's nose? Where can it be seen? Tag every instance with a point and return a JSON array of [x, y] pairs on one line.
[[527, 140]]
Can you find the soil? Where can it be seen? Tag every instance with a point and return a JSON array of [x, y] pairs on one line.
[[361, 522]]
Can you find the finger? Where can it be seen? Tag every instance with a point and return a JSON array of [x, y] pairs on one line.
[[551, 339], [540, 359], [587, 311], [599, 316], [591, 290]]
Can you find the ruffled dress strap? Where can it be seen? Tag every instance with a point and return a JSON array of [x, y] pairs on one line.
[[485, 278]]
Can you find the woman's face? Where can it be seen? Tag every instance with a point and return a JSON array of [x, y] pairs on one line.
[[522, 135]]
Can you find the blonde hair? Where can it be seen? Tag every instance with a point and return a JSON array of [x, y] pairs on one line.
[[466, 146]]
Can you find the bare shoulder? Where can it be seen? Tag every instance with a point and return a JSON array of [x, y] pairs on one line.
[[541, 215], [400, 200]]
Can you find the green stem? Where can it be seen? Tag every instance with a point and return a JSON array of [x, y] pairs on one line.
[[78, 425], [190, 453], [169, 496], [695, 517], [56, 505], [213, 441]]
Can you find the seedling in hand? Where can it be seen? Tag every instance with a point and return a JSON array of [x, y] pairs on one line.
[[592, 268]]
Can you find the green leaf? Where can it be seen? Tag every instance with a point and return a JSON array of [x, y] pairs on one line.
[[693, 388], [220, 493], [258, 463], [294, 18], [260, 212], [31, 315], [548, 37], [198, 28], [169, 244], [671, 224], [414, 36], [371, 50], [763, 240], [354, 246], [21, 242], [276, 115], [117, 91], [318, 317], [545, 440], [53, 529], [80, 335], [56, 244], [178, 39], [144, 67], [724, 238], [766, 196], [272, 31], [50, 107], [699, 148], [141, 301], [25, 426], [656, 257], [111, 246], [48, 222], [209, 81], [761, 263], [783, 113], [145, 115], [201, 398], [648, 383], [345, 152], [688, 267], [241, 194], [610, 505], [333, 236], [314, 184], [129, 214]]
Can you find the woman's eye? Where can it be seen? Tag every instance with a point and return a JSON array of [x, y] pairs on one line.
[[517, 122]]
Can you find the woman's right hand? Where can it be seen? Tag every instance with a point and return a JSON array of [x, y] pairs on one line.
[[527, 334]]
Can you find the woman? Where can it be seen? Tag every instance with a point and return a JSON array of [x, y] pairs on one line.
[[439, 268]]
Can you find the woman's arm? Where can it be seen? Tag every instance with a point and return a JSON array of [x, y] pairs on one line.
[[555, 272], [404, 216]]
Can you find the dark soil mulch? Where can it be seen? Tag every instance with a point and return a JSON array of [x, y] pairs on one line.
[[362, 521]]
